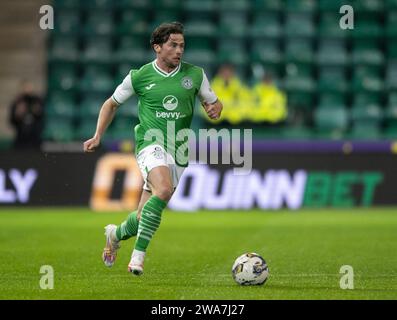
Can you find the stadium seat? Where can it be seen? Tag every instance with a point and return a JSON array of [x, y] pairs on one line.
[[134, 4], [90, 105], [332, 99], [331, 121], [299, 25], [300, 90], [330, 6], [366, 98], [97, 50], [391, 117], [97, 5], [98, 23], [122, 70], [300, 5], [369, 113], [391, 5], [200, 28], [368, 56], [86, 128], [366, 116], [391, 30], [131, 50], [201, 53], [67, 22], [200, 5], [58, 129], [299, 50], [235, 46], [132, 22], [62, 76], [365, 131], [332, 52], [66, 4], [168, 4], [332, 79], [372, 6], [329, 28], [123, 128], [235, 5], [367, 29], [297, 132], [267, 5], [391, 110], [366, 78], [233, 23], [265, 25], [61, 104], [166, 15], [391, 75], [390, 133], [97, 79], [266, 51], [392, 50], [64, 48], [130, 108]]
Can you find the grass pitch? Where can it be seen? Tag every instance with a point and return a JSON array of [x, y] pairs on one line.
[[191, 255]]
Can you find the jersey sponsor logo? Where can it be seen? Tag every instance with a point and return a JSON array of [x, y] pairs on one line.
[[150, 86], [169, 115], [187, 82], [170, 102]]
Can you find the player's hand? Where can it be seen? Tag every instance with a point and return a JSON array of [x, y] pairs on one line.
[[213, 110], [91, 144]]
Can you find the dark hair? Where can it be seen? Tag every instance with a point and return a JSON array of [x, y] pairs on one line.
[[162, 33]]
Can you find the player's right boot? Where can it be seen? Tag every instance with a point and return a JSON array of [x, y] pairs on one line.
[[136, 263], [112, 245]]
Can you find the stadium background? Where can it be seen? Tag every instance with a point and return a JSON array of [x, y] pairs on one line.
[[335, 147]]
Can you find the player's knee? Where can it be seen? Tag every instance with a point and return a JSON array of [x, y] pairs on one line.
[[164, 193]]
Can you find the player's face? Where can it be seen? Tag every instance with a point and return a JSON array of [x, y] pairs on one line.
[[171, 51]]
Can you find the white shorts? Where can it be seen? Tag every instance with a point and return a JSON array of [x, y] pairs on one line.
[[155, 156]]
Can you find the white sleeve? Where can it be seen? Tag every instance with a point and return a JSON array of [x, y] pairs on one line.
[[206, 94], [123, 91]]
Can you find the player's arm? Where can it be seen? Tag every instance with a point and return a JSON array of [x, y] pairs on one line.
[[210, 102], [106, 115], [213, 110], [107, 112]]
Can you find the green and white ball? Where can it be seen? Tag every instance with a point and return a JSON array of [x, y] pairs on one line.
[[250, 269]]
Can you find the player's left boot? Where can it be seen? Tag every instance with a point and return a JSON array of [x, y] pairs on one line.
[[112, 245], [136, 263]]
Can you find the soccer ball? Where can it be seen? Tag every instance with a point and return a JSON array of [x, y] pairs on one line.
[[250, 269]]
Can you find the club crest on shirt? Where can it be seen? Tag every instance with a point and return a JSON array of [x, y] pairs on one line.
[[187, 82], [158, 153]]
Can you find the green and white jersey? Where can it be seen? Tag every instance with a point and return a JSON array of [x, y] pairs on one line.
[[165, 100]]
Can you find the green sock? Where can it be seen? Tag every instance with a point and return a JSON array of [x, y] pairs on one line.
[[128, 228], [150, 221]]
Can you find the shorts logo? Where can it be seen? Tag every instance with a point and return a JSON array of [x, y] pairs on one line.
[[170, 102], [158, 153], [187, 82]]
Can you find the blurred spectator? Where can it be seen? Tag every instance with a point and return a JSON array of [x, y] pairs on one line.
[[26, 116], [232, 92], [264, 103], [270, 103]]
